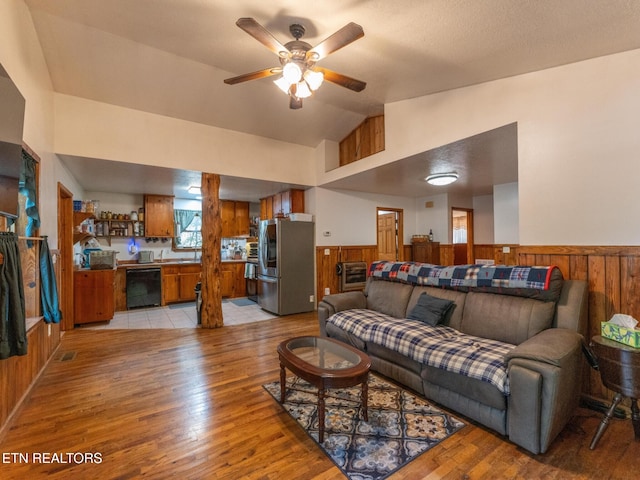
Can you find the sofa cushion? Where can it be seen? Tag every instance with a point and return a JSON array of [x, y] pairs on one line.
[[430, 310], [505, 318], [388, 297], [439, 346]]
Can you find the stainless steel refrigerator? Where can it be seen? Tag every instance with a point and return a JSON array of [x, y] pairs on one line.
[[286, 258]]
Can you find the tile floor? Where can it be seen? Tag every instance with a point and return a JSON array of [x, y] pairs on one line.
[[182, 315]]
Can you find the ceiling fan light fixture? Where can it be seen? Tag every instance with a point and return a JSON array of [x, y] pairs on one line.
[[283, 84], [302, 90], [314, 79], [441, 179], [292, 73]]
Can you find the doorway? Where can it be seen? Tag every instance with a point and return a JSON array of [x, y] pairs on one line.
[[65, 247], [389, 223], [462, 235]]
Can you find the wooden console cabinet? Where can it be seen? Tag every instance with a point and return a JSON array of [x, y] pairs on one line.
[[426, 252], [93, 296]]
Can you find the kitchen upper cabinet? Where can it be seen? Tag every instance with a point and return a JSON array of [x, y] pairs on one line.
[[158, 210], [235, 218], [93, 295], [282, 204]]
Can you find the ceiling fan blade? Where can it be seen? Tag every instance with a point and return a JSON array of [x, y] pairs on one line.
[[342, 80], [267, 72], [347, 34], [261, 34]]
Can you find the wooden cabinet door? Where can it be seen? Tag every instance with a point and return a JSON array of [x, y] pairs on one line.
[[227, 214], [170, 284], [158, 219], [93, 296], [188, 283], [242, 218], [226, 283], [296, 201]]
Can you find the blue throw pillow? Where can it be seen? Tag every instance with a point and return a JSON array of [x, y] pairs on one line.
[[431, 310]]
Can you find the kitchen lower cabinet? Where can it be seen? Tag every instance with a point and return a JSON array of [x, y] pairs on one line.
[[179, 282], [232, 281], [93, 296]]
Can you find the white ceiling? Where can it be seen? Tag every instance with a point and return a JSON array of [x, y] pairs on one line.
[[170, 57]]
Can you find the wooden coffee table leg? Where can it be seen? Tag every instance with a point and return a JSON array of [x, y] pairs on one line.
[[635, 418], [283, 383], [321, 415], [365, 400]]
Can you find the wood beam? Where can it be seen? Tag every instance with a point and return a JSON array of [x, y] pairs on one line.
[[211, 312]]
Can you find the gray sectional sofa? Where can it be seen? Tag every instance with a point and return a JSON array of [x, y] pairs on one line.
[[492, 348]]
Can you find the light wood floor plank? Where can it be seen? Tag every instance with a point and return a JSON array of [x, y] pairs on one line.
[[189, 404]]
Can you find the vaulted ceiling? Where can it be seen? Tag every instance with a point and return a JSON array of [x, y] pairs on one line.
[[170, 57]]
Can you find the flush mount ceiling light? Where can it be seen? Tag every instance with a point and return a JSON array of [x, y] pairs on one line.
[[300, 76], [442, 178], [194, 190]]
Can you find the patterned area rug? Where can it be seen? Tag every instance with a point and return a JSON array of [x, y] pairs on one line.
[[401, 425]]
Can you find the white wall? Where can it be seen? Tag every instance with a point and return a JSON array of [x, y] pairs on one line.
[[22, 58], [435, 218], [505, 211], [350, 217], [483, 220], [97, 130], [575, 123]]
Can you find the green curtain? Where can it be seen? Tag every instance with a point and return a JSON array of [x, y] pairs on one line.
[[13, 328], [183, 218]]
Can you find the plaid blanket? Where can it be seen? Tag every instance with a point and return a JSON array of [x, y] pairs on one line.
[[440, 346], [463, 275]]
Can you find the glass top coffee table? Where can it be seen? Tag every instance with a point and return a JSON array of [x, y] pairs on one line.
[[325, 363]]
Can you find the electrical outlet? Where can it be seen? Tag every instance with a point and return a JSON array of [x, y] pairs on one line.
[[327, 251], [311, 298], [327, 291], [506, 249]]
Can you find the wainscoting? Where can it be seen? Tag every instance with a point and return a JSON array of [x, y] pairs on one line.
[[613, 275]]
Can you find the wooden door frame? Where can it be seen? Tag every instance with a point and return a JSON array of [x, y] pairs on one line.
[[65, 248], [470, 241], [400, 230]]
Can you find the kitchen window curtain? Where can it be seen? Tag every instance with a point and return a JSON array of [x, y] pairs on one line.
[[183, 219], [13, 329]]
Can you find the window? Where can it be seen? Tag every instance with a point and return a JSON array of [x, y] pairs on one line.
[[188, 229]]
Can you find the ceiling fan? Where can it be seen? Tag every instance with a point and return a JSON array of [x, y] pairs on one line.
[[300, 74]]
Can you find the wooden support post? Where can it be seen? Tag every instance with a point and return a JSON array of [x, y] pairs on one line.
[[211, 292]]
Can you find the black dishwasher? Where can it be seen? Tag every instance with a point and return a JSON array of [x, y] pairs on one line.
[[144, 287]]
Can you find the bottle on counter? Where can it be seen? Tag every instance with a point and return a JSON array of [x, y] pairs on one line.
[[430, 235]]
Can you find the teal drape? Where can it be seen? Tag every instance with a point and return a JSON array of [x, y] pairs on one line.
[[48, 286], [183, 218], [13, 328], [28, 188]]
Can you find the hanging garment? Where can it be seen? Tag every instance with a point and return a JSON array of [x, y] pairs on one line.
[[48, 286], [13, 329]]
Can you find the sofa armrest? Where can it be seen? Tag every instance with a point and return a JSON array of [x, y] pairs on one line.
[[545, 374], [551, 346], [337, 302]]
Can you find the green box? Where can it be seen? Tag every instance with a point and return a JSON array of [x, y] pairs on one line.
[[628, 336]]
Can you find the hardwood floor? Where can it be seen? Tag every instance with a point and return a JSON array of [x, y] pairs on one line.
[[189, 403]]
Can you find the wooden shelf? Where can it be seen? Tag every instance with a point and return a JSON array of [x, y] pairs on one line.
[[78, 218]]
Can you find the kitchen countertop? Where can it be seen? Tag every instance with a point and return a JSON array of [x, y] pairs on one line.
[[169, 261]]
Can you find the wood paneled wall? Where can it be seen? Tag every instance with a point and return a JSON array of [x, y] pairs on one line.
[[365, 140], [17, 374], [612, 273]]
